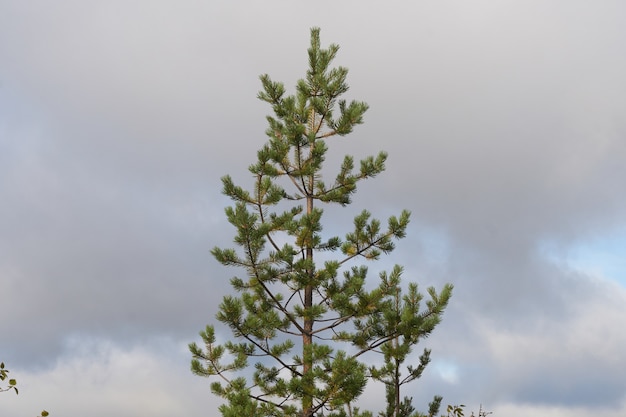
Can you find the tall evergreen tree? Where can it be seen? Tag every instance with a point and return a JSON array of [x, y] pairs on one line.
[[304, 319]]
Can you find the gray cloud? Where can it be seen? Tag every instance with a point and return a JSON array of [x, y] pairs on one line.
[[505, 132]]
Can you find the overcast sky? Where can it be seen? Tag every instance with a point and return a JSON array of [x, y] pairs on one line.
[[504, 122]]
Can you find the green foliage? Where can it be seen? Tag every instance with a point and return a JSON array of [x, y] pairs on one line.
[[403, 318], [305, 317], [455, 410], [4, 375]]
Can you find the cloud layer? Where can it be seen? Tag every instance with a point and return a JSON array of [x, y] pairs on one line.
[[505, 129]]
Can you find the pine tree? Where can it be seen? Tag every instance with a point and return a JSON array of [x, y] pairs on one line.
[[303, 312], [403, 319]]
